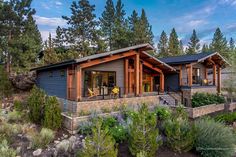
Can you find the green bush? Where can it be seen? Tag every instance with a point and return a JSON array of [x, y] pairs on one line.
[[18, 105], [5, 84], [52, 114], [119, 133], [162, 113], [5, 151], [85, 127], [214, 139], [202, 99], [100, 143], [8, 131], [228, 118], [42, 139], [109, 122], [143, 133], [14, 116], [36, 103]]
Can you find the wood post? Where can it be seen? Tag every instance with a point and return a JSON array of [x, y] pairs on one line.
[[162, 80], [136, 70], [126, 82], [141, 78], [180, 75], [190, 75], [219, 79], [214, 74], [78, 83], [206, 73]]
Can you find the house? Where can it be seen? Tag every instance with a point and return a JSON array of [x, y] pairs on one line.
[[130, 72], [196, 73]]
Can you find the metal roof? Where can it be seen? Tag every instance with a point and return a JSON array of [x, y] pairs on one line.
[[100, 55]]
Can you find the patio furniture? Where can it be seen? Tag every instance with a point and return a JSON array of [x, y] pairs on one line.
[[91, 93], [115, 92]]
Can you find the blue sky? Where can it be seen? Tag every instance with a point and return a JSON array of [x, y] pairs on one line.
[[185, 15]]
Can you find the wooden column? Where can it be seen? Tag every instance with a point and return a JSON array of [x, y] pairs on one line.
[[190, 75], [151, 84], [78, 83], [214, 74], [126, 81], [130, 89], [141, 78], [180, 75], [206, 73], [219, 79], [136, 70], [162, 82]]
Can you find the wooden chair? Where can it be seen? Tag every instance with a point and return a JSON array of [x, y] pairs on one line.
[[91, 93], [115, 92]]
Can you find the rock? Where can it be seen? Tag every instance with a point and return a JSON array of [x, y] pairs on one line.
[[63, 146], [18, 149], [72, 139], [65, 136], [56, 142], [29, 147], [23, 81], [234, 124], [81, 136], [19, 135], [37, 152]]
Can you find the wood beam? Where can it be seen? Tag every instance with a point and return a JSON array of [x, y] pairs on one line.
[[162, 82], [107, 59], [136, 69], [189, 70], [78, 83], [140, 78], [180, 75], [67, 83], [214, 74], [126, 70], [152, 67], [219, 79]]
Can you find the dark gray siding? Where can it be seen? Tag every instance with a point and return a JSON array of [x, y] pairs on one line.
[[172, 81], [54, 85]]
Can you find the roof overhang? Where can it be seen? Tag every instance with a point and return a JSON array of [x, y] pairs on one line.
[[219, 56]]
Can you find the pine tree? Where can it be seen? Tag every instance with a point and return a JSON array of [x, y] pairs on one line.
[[181, 47], [163, 45], [81, 31], [232, 44], [143, 133], [174, 49], [219, 43], [120, 30], [50, 56], [107, 22], [100, 143], [205, 48], [134, 27], [193, 44]]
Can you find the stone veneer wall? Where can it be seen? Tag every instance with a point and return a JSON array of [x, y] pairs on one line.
[[76, 107]]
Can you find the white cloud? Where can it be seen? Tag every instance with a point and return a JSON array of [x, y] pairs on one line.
[[58, 3], [228, 2], [196, 23], [45, 33], [46, 21]]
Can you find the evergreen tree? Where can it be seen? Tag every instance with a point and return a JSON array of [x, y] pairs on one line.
[[81, 31], [5, 84], [120, 30], [134, 27], [219, 43], [174, 48], [143, 133], [231, 44], [163, 45], [50, 56], [205, 48], [181, 47], [100, 143], [107, 22], [193, 44]]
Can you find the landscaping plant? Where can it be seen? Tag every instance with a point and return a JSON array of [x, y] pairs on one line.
[[228, 118], [143, 134], [36, 103], [5, 151], [100, 143], [214, 139], [162, 113], [52, 114], [202, 99], [5, 84], [42, 139]]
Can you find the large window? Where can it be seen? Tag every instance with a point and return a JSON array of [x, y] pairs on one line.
[[196, 76], [99, 81]]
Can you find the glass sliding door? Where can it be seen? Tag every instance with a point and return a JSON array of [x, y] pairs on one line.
[[99, 81]]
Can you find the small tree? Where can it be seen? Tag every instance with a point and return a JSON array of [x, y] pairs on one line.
[[36, 103], [143, 133], [52, 113], [5, 84], [100, 143]]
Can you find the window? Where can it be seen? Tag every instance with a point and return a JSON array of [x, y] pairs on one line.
[[196, 76]]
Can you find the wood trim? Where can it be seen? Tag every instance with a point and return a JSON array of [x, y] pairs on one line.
[[140, 78], [219, 79], [180, 75], [214, 74], [190, 71], [107, 59], [206, 73], [162, 82], [78, 83], [151, 67], [136, 68], [126, 70], [67, 83]]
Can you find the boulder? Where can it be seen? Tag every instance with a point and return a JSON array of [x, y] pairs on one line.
[[37, 152], [23, 81]]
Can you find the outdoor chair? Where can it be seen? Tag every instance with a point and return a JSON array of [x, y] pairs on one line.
[[115, 92], [91, 93]]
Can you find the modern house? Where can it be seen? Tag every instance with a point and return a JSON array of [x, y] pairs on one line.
[[131, 72]]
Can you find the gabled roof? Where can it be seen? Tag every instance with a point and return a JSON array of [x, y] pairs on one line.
[[185, 59], [101, 55]]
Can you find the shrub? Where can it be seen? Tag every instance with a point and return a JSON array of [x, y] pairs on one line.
[[106, 109], [42, 139], [143, 133], [202, 99], [14, 116], [52, 114], [213, 139], [162, 113], [100, 143], [85, 127], [5, 84], [5, 151], [36, 103], [18, 105], [109, 122], [226, 117], [119, 133], [84, 113], [9, 130]]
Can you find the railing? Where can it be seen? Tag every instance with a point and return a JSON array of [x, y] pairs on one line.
[[197, 81]]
